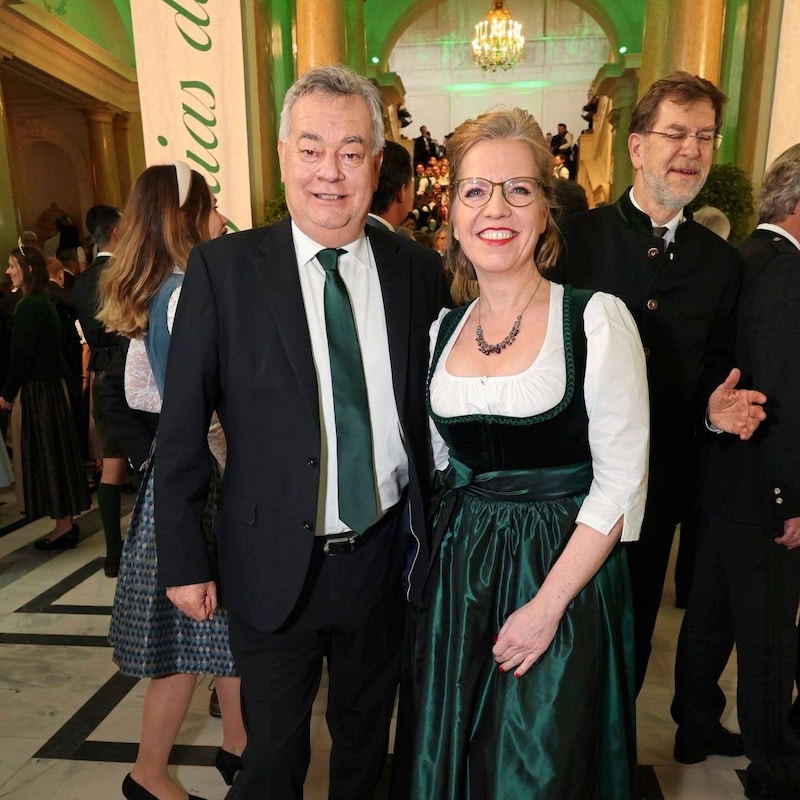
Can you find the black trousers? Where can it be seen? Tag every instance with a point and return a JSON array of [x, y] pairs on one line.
[[351, 612], [647, 562], [746, 591]]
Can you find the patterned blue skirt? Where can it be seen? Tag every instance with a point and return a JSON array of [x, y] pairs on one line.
[[150, 636]]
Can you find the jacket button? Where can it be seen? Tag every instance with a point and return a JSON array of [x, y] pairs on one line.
[[308, 525], [779, 501], [653, 252], [652, 304], [777, 490], [312, 462]]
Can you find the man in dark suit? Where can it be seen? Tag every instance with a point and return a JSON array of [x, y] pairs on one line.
[[394, 197], [424, 146], [304, 574], [102, 222], [680, 281], [747, 571]]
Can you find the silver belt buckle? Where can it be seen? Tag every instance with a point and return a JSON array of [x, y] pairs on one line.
[[350, 540]]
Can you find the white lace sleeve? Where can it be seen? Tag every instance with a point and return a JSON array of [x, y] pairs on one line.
[[141, 390]]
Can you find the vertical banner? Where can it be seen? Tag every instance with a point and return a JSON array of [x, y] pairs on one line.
[[190, 66]]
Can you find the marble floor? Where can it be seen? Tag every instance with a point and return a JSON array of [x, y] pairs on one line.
[[69, 721]]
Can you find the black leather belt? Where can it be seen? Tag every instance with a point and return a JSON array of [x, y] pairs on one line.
[[342, 544]]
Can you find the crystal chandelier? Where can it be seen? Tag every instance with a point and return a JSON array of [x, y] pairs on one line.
[[498, 40]]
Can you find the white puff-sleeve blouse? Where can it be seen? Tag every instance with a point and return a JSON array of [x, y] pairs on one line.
[[615, 394]]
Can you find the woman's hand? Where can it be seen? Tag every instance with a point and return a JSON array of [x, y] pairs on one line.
[[524, 637], [4, 404]]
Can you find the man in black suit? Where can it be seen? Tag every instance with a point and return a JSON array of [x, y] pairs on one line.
[[747, 571], [254, 339], [394, 197], [102, 222], [680, 282], [424, 147]]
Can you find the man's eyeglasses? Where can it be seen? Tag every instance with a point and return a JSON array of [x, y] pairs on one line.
[[476, 192], [704, 138]]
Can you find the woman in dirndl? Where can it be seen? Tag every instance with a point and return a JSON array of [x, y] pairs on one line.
[[538, 394], [50, 477], [170, 209]]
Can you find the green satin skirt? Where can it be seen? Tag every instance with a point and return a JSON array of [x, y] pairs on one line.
[[564, 730]]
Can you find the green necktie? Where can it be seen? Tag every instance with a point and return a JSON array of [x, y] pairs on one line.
[[357, 506]]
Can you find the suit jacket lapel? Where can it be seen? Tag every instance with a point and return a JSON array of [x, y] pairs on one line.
[[276, 266], [395, 278]]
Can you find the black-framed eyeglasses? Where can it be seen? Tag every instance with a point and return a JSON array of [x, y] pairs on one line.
[[476, 192], [19, 245], [704, 138]]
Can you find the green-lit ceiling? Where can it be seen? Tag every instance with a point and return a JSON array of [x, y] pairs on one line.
[[108, 22], [385, 20]]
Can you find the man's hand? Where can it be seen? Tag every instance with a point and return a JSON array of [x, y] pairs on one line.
[[791, 534], [197, 600], [736, 411]]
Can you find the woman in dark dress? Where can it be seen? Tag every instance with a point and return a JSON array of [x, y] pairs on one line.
[[51, 480], [539, 393]]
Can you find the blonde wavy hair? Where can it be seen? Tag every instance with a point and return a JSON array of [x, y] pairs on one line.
[[499, 125], [157, 233]]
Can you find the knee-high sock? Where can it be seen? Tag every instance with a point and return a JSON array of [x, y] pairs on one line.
[[108, 499]]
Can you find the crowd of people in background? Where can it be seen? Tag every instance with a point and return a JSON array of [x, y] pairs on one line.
[[630, 364]]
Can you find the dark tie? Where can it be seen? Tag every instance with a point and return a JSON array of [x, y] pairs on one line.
[[659, 231], [357, 506]]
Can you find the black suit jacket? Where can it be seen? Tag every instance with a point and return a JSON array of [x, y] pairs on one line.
[[84, 297], [758, 481], [683, 299], [240, 345]]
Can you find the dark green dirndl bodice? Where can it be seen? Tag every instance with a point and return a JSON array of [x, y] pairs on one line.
[[506, 508]]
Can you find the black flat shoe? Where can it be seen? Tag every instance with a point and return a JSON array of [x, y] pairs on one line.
[[228, 765], [133, 791], [726, 744], [66, 541], [213, 706]]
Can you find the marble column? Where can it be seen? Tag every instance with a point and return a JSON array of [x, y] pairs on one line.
[[751, 138], [783, 125], [695, 37], [102, 151], [9, 222], [356, 35], [682, 35], [654, 45], [320, 33], [123, 154], [622, 90]]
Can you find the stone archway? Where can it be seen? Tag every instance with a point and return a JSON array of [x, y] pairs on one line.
[[621, 20]]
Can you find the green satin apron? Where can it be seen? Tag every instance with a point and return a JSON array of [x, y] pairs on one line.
[[565, 729]]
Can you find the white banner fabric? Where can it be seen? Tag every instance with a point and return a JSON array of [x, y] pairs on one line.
[[190, 68]]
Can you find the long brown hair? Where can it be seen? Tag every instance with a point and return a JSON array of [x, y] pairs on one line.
[[157, 233], [34, 269], [506, 124]]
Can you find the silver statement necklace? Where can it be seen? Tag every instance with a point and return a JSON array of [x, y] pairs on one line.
[[488, 349]]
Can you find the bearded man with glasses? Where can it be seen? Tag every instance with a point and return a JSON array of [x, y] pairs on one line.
[[681, 283]]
